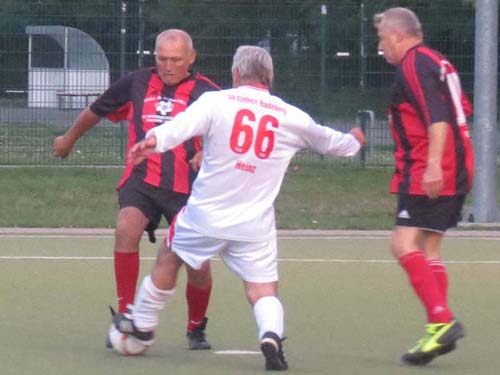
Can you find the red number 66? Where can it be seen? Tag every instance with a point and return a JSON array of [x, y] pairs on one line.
[[242, 135]]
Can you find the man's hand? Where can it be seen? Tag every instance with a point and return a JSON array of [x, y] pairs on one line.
[[62, 146], [432, 182], [196, 161], [358, 134], [140, 151]]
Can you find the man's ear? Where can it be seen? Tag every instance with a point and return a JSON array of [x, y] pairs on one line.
[[236, 77], [399, 36], [192, 58]]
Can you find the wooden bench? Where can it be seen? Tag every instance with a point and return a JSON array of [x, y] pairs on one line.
[[73, 100]]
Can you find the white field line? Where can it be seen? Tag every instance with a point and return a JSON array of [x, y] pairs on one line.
[[236, 352], [384, 235], [284, 260]]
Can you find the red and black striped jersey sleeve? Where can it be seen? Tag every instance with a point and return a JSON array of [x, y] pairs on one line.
[[424, 78], [115, 101]]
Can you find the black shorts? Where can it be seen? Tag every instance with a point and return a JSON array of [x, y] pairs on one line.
[[438, 215], [152, 201]]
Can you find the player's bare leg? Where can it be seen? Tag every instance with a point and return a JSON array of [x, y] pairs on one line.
[[155, 289], [166, 268], [130, 225], [269, 316], [442, 331], [153, 293]]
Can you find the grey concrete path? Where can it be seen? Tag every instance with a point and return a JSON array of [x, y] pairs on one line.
[[488, 232]]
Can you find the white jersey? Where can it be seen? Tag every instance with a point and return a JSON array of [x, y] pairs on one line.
[[249, 138]]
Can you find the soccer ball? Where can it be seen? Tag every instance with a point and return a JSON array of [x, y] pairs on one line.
[[125, 344]]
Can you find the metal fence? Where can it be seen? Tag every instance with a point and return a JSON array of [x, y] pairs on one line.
[[57, 56]]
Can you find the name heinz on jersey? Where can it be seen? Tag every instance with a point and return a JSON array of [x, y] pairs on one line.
[[244, 166]]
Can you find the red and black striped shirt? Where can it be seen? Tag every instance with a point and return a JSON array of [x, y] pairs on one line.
[[427, 90], [145, 101]]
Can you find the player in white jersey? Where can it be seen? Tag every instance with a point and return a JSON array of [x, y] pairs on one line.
[[249, 138]]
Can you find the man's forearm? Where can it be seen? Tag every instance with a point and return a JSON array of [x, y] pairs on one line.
[[85, 121], [438, 132]]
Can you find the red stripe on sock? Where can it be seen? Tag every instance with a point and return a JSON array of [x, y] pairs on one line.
[[126, 275], [426, 287], [441, 276]]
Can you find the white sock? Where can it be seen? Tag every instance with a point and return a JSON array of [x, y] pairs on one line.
[[148, 302], [269, 315]]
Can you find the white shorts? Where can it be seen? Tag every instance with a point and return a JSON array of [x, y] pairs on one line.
[[252, 261]]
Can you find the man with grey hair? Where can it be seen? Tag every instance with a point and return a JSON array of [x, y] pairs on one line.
[[434, 168], [250, 137], [161, 184], [253, 64]]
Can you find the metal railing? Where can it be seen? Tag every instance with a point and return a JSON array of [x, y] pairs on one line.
[[55, 58]]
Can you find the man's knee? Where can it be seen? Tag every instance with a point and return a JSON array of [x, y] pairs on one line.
[[164, 274], [404, 241], [256, 291], [166, 259], [130, 226], [201, 278]]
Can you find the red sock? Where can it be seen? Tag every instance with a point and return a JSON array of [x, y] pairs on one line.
[[197, 300], [441, 276], [126, 275], [425, 285]]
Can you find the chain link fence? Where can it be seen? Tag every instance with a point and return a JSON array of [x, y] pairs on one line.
[[57, 56]]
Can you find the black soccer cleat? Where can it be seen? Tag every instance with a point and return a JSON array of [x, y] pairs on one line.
[[197, 339], [272, 348], [125, 324], [447, 348]]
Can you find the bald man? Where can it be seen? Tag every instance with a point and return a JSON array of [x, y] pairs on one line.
[[161, 184]]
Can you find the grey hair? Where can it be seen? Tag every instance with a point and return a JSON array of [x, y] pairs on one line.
[[174, 35], [400, 19], [254, 64]]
